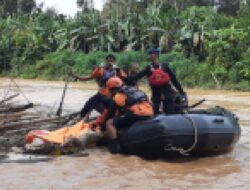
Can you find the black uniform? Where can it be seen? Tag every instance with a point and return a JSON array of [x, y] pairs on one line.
[[158, 91], [95, 102]]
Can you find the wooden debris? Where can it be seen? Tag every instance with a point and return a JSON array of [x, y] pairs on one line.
[[17, 108], [16, 121], [17, 124], [9, 98]]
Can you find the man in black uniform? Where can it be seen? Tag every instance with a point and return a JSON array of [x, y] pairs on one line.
[[160, 77]]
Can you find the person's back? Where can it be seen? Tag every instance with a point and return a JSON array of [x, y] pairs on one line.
[[133, 105], [131, 100]]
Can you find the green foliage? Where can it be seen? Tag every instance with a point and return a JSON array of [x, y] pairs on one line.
[[244, 65], [225, 46], [126, 59], [196, 23], [188, 70], [13, 7], [242, 86], [195, 40]]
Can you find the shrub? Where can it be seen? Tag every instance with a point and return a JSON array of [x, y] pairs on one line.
[[126, 59]]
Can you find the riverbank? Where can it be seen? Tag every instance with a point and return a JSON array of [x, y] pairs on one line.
[[212, 96], [189, 71]]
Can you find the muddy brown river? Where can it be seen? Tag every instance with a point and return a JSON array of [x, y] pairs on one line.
[[101, 170]]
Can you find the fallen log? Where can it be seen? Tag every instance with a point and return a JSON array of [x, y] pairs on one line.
[[28, 123], [16, 115], [9, 120], [70, 117], [12, 115], [16, 108], [9, 98]]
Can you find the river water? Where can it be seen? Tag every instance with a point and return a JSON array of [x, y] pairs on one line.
[[101, 170]]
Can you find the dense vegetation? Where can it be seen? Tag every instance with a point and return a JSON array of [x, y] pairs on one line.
[[206, 42]]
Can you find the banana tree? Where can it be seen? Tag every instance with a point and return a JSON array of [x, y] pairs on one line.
[[196, 23], [156, 26], [6, 52], [86, 36]]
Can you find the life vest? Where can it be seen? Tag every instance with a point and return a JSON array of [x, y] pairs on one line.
[[133, 95], [158, 77], [105, 75]]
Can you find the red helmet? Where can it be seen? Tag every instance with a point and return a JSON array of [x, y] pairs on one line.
[[114, 82]]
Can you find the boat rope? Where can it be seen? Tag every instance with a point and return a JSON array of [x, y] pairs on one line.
[[182, 151]]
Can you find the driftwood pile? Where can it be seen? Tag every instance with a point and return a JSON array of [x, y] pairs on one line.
[[17, 120]]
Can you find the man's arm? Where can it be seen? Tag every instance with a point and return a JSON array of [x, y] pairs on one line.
[[111, 107], [146, 71], [173, 79], [81, 78], [121, 74]]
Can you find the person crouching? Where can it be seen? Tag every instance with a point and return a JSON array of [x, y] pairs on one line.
[[133, 105]]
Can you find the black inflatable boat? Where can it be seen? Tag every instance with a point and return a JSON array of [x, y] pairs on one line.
[[201, 132]]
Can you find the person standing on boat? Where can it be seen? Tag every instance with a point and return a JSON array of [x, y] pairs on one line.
[[101, 75], [132, 104], [161, 79]]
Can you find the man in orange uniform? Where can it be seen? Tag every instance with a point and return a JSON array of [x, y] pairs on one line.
[[101, 75], [133, 106]]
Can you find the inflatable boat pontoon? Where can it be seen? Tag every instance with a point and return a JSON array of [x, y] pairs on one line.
[[195, 133]]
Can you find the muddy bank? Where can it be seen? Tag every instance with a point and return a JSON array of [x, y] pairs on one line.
[[101, 170]]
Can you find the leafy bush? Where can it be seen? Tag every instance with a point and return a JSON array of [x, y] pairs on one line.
[[242, 86], [201, 44], [126, 59]]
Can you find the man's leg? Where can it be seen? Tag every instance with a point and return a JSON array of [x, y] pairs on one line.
[[156, 100], [111, 130], [112, 125], [118, 124], [91, 104], [113, 144], [168, 102]]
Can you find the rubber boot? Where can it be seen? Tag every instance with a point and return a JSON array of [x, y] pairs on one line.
[[114, 146]]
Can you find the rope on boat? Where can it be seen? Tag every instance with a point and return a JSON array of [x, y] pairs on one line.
[[182, 151]]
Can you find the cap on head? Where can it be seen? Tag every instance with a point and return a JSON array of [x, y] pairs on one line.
[[114, 82], [153, 50]]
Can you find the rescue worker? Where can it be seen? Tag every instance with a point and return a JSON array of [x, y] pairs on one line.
[[101, 74], [133, 105], [160, 77]]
